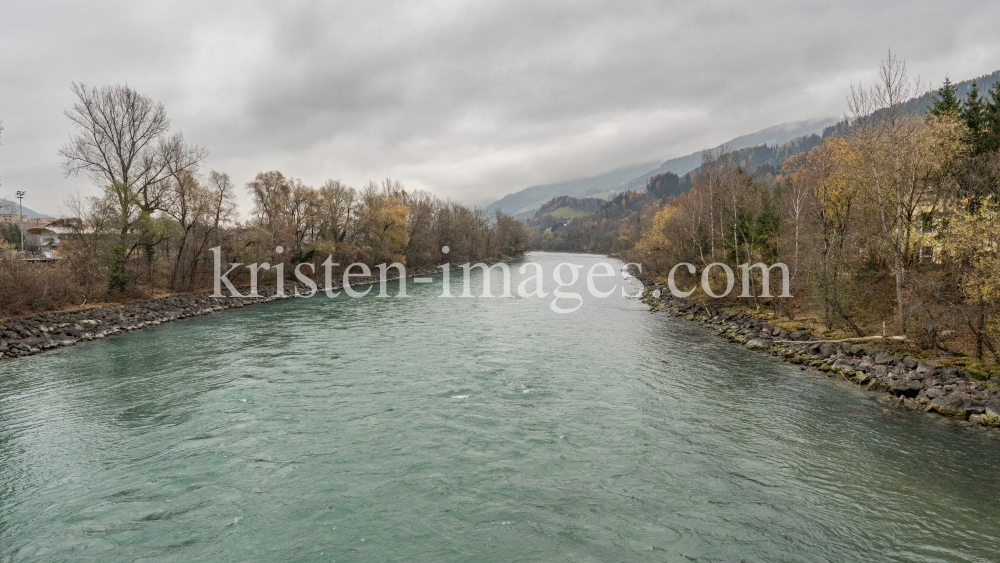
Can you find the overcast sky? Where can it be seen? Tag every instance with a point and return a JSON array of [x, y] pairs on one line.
[[468, 100]]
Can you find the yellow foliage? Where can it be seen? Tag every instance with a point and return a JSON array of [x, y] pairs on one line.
[[654, 242], [971, 239]]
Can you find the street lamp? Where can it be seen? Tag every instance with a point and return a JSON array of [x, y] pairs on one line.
[[20, 215]]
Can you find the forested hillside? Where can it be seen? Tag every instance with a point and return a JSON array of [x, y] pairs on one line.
[[888, 225], [525, 203]]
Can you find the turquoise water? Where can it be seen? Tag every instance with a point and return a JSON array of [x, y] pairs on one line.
[[431, 429]]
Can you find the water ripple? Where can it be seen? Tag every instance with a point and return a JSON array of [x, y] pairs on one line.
[[469, 429]]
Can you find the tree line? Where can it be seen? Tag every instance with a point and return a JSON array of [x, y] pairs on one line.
[[889, 226], [158, 215]]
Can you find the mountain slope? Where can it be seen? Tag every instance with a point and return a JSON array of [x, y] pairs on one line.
[[7, 206], [922, 103], [524, 203], [772, 136]]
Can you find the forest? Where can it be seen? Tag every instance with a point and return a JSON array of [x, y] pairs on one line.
[[887, 224]]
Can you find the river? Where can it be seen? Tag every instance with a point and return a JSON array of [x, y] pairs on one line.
[[470, 429]]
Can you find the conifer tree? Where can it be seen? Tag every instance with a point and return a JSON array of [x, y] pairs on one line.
[[973, 113], [991, 119], [946, 100]]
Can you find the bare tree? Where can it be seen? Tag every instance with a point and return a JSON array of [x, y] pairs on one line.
[[218, 200], [116, 143], [121, 142], [885, 135]]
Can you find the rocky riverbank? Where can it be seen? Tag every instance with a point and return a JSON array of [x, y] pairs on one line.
[[901, 380], [38, 333]]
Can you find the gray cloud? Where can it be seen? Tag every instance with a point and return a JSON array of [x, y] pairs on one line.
[[469, 100]]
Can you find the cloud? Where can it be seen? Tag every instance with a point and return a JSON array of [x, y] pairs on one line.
[[468, 100]]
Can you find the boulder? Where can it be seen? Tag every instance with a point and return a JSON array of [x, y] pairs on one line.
[[909, 362], [902, 388], [883, 358], [985, 420], [827, 349], [853, 349], [860, 378], [843, 364], [756, 344], [954, 404]]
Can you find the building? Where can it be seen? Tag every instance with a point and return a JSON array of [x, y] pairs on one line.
[[46, 240], [38, 221], [16, 219]]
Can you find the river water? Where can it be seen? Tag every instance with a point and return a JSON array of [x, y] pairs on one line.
[[433, 429]]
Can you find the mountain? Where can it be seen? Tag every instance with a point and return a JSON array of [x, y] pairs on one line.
[[564, 208], [524, 203], [773, 136], [6, 205], [922, 103]]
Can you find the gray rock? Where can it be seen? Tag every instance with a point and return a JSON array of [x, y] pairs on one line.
[[756, 344], [883, 358], [954, 404], [905, 388], [843, 363], [992, 408]]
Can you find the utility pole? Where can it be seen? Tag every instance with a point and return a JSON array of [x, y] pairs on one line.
[[20, 215]]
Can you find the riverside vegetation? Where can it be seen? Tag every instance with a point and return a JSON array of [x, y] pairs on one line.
[[887, 224], [150, 232], [47, 331], [879, 365]]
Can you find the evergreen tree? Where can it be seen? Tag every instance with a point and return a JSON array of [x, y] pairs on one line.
[[946, 100], [991, 119], [973, 114]]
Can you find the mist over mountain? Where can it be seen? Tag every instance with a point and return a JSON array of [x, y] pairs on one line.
[[525, 203], [767, 147], [775, 135], [920, 104]]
